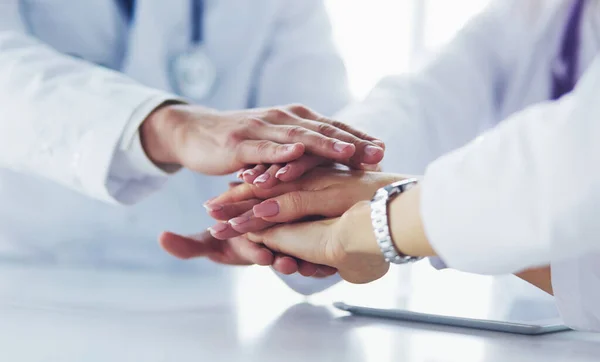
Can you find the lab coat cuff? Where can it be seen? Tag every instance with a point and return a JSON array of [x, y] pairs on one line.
[[93, 167], [576, 298], [135, 162], [306, 285]]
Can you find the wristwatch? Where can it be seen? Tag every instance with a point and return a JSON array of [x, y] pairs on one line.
[[379, 220]]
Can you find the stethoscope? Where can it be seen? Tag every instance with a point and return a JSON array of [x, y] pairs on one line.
[[564, 68], [193, 74]]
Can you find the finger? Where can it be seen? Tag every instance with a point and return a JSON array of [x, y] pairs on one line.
[[352, 130], [183, 247], [372, 168], [314, 142], [239, 174], [307, 113], [379, 143], [229, 211], [285, 264], [306, 241], [324, 271], [233, 184], [242, 249], [296, 205], [366, 151], [268, 179], [263, 151], [306, 268], [223, 231], [247, 191], [247, 223], [295, 169], [251, 174]]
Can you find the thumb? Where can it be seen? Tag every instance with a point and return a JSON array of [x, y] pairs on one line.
[[187, 247], [309, 241]]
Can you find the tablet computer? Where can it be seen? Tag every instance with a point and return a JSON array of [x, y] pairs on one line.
[[527, 327], [450, 298]]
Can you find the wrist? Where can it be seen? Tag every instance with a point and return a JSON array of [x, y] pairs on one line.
[[157, 135], [357, 231], [406, 226]]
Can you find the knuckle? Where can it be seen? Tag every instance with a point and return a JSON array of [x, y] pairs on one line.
[[263, 147], [296, 202], [277, 114], [337, 124], [294, 132], [326, 129], [298, 109], [325, 142], [252, 122], [234, 139]]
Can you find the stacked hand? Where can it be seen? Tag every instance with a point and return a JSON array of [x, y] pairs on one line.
[[344, 240], [273, 145]]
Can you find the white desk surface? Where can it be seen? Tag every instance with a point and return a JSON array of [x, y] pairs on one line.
[[242, 314]]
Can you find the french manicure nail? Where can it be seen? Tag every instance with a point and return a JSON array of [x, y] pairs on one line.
[[239, 220], [282, 171], [262, 178], [218, 228], [266, 209], [340, 146], [372, 150], [240, 174], [213, 207], [248, 173]]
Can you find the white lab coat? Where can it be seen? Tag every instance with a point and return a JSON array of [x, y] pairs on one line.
[[527, 192], [67, 125]]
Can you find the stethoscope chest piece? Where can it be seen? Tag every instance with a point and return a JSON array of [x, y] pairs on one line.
[[194, 74]]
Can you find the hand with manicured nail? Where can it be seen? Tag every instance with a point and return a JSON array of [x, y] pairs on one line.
[[236, 250], [322, 192], [219, 143]]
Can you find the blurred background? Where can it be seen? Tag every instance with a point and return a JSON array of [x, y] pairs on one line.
[[408, 31]]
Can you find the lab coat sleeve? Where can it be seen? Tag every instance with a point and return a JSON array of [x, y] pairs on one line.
[[302, 64], [62, 118], [575, 283], [447, 102], [132, 175], [526, 194]]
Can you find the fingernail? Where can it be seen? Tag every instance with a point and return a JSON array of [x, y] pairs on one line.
[[266, 209], [262, 178], [282, 171], [340, 146], [211, 207], [209, 201], [248, 173], [372, 150], [218, 228], [239, 220], [239, 174]]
